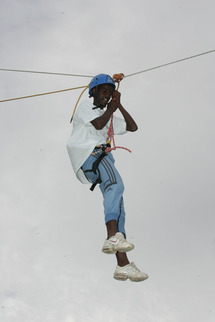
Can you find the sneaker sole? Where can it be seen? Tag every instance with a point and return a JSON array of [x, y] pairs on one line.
[[120, 277], [125, 277], [108, 251], [124, 249], [117, 249]]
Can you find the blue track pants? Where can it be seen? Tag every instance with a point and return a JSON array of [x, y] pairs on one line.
[[112, 188]]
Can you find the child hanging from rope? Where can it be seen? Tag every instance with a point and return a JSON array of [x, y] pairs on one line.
[[93, 162]]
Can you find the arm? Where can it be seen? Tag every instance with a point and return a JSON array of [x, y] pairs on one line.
[[102, 120], [130, 123], [112, 106]]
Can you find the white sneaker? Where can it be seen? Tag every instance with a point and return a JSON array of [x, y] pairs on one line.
[[117, 243], [129, 271]]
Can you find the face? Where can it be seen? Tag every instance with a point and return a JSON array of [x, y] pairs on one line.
[[105, 92]]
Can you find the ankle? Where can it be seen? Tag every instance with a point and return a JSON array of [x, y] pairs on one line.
[[111, 228], [122, 259], [110, 235], [122, 264]]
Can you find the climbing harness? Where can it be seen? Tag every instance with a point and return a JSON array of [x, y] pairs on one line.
[[95, 167]]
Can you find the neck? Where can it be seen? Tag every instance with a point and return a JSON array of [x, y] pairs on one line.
[[97, 102]]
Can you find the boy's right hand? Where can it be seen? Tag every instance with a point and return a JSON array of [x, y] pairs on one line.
[[115, 101], [112, 105]]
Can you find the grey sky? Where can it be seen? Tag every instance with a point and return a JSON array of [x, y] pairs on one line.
[[51, 226]]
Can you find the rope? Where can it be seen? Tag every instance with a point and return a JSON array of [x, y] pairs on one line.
[[41, 94], [88, 76], [110, 139], [117, 78], [38, 72], [173, 62], [86, 87]]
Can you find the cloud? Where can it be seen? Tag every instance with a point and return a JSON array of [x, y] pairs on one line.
[[52, 227]]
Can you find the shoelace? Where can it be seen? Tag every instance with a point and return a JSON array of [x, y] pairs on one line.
[[116, 241], [133, 268]]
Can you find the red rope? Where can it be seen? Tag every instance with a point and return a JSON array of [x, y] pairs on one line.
[[110, 139], [117, 78]]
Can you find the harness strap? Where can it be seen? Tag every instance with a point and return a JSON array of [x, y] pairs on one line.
[[95, 168], [97, 162]]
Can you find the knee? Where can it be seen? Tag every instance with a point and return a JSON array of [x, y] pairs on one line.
[[119, 187]]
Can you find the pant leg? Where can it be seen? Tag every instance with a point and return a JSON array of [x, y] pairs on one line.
[[121, 218], [112, 188]]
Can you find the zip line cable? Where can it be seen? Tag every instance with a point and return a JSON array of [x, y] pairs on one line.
[[90, 76], [38, 72], [173, 62], [86, 86]]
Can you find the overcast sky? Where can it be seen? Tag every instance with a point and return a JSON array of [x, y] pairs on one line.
[[51, 226]]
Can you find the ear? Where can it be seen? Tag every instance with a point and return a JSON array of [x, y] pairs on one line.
[[94, 91]]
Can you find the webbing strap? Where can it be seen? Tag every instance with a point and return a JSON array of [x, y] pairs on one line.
[[95, 167]]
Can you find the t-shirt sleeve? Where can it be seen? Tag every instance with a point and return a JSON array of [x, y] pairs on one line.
[[119, 125], [85, 113]]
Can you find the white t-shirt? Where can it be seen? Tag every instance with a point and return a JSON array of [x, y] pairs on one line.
[[85, 137]]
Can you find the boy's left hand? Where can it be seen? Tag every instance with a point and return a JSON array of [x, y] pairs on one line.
[[116, 96]]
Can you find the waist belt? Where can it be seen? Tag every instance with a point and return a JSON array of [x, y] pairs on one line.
[[95, 166]]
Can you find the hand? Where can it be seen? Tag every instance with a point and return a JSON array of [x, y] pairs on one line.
[[116, 96], [115, 101]]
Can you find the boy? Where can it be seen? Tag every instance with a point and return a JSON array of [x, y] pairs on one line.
[[91, 161]]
